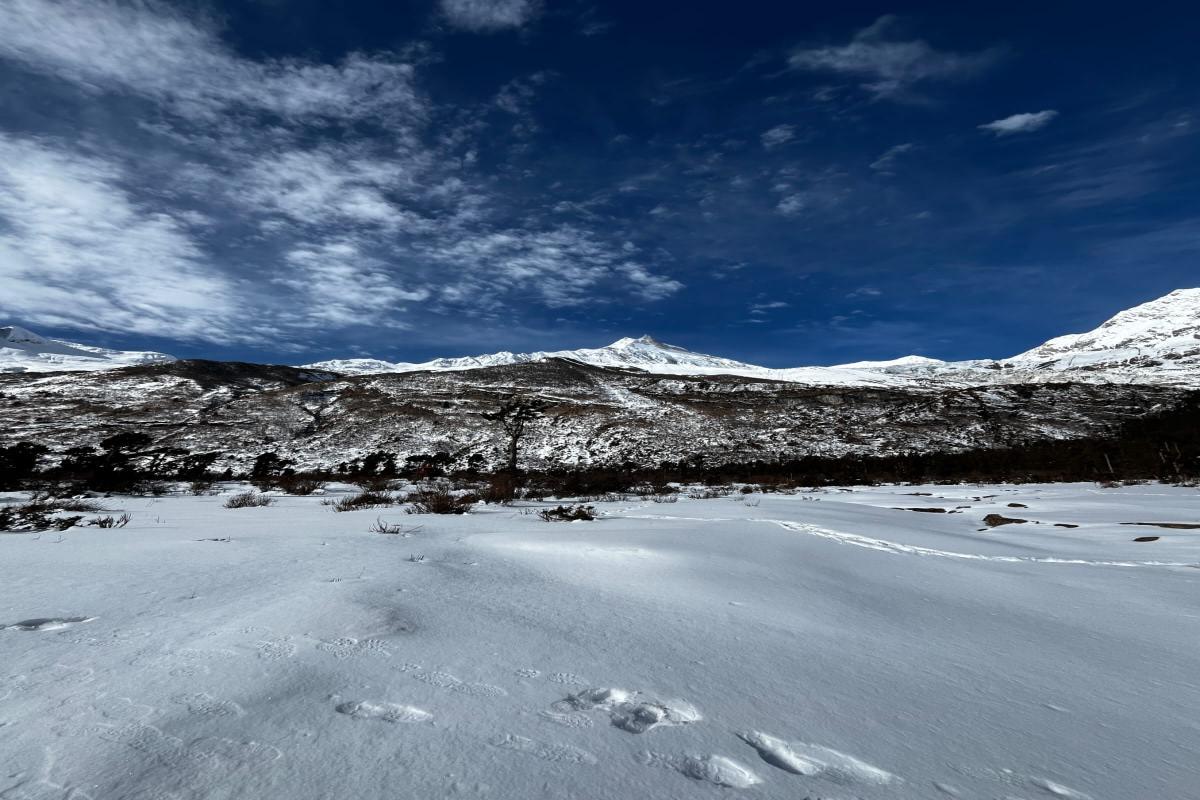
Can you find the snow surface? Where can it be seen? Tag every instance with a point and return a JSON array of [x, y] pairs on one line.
[[22, 350], [831, 644]]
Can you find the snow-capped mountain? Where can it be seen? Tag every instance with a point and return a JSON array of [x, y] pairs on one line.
[[1155, 342], [22, 350], [1163, 334], [644, 353]]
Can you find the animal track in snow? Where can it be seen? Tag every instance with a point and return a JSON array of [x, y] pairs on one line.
[[45, 623], [561, 753], [276, 649], [346, 647], [444, 680], [718, 770], [528, 673], [207, 705], [630, 711], [387, 712], [814, 760]]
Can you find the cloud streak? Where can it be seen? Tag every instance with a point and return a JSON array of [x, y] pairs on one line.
[[1020, 123], [275, 197], [891, 66]]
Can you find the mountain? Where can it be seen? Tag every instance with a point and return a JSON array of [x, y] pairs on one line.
[[1161, 336], [22, 350], [645, 353], [1156, 342]]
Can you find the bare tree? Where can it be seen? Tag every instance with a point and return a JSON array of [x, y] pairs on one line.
[[512, 416]]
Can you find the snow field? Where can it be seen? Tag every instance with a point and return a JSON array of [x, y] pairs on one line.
[[834, 644]]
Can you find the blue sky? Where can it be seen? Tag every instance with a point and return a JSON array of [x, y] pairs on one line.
[[291, 180]]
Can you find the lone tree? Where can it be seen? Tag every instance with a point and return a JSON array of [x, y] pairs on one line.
[[512, 416]]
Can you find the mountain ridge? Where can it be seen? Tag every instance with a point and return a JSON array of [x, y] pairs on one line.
[[1153, 342]]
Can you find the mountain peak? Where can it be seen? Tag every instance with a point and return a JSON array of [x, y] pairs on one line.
[[18, 335], [644, 339], [22, 350]]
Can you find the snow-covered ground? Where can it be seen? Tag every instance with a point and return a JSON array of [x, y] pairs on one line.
[[831, 645]]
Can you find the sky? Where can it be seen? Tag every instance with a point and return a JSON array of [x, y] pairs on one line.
[[781, 183]]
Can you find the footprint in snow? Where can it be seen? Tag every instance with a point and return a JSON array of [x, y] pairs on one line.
[[206, 705], [45, 623], [346, 647], [713, 769], [572, 719], [528, 673], [631, 711], [444, 680], [387, 712], [567, 679], [276, 649], [813, 760], [560, 753]]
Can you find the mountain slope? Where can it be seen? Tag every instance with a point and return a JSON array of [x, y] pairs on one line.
[[1163, 333], [645, 353], [1155, 342], [22, 350]]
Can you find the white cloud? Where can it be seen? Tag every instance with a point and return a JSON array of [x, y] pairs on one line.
[[78, 250], [779, 135], [489, 15], [886, 163], [1020, 123], [156, 52], [344, 286], [891, 66], [258, 203]]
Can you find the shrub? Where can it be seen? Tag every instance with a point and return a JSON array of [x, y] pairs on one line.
[[34, 516], [364, 500], [201, 486], [568, 514], [711, 492], [249, 500], [298, 484], [109, 522], [374, 484], [440, 500], [502, 488], [392, 530]]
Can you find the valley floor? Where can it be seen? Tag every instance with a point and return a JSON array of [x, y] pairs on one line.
[[828, 645]]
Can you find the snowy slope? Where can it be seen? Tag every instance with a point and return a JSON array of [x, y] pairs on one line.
[[644, 353], [823, 645], [22, 350], [1163, 333], [1156, 342]]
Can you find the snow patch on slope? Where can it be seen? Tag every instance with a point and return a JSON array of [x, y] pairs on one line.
[[22, 350]]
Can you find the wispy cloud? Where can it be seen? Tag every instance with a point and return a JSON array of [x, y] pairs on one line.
[[156, 52], [1020, 123], [78, 250], [489, 15], [891, 65], [779, 135], [277, 196], [886, 163]]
